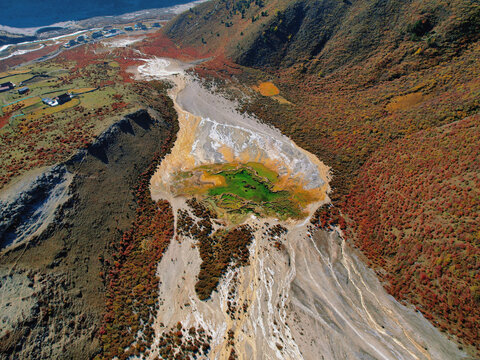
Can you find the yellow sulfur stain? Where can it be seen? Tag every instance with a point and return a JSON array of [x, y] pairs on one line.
[[212, 179], [81, 90], [267, 89], [405, 101], [227, 153], [23, 103]]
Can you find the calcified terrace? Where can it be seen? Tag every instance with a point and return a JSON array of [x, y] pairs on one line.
[[235, 190], [232, 161]]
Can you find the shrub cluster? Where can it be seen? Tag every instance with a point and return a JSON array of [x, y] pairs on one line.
[[132, 284], [218, 250]]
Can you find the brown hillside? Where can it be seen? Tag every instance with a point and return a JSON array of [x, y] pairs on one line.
[[375, 86]]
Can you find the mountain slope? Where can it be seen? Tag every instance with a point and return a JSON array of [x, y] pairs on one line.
[[368, 80], [326, 35], [426, 231]]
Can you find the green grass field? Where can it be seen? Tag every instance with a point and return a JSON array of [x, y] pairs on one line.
[[33, 134], [245, 189], [247, 185]]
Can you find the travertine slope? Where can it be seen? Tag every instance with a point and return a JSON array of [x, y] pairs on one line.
[[303, 294]]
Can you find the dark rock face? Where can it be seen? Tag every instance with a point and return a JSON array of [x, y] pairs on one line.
[[21, 216], [100, 147], [24, 213], [302, 30], [336, 33], [65, 260]]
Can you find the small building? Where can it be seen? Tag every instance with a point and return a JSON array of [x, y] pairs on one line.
[[144, 27], [97, 34], [138, 26], [70, 43], [50, 102], [58, 100], [111, 33], [156, 25], [23, 90], [62, 99], [6, 86], [128, 28], [81, 38]]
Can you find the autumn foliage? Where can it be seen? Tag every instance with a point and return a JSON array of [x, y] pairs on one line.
[[382, 124], [158, 44], [132, 284], [417, 215], [219, 250]]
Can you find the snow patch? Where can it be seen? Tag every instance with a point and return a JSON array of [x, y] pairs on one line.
[[120, 43], [158, 68], [22, 52]]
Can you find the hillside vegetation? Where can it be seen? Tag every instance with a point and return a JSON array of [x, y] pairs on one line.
[[425, 232], [386, 93]]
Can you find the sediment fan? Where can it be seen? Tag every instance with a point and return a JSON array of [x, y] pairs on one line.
[[255, 179]]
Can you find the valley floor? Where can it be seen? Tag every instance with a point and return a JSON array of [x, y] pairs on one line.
[[304, 293]]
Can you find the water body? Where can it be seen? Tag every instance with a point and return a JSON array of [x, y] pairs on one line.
[[35, 13]]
